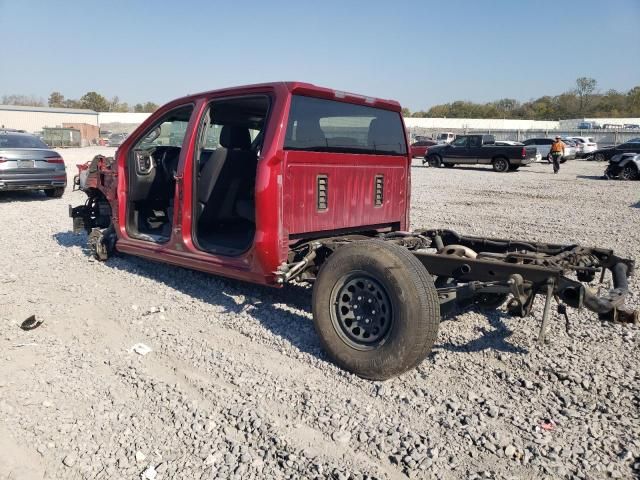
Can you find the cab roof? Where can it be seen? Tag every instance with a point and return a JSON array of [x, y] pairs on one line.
[[302, 88]]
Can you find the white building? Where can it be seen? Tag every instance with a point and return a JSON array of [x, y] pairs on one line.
[[573, 122], [479, 123], [34, 119], [122, 117]]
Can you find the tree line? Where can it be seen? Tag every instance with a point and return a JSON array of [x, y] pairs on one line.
[[91, 100], [584, 100]]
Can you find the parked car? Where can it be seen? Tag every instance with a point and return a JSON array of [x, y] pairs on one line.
[[419, 148], [27, 163], [586, 145], [605, 154], [625, 166], [445, 137], [508, 142], [481, 150], [611, 126], [631, 126], [570, 148], [543, 145], [116, 139], [318, 200], [588, 125]]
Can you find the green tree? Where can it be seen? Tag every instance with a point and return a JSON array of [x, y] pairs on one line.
[[56, 99], [116, 106], [150, 107], [94, 101], [70, 103], [506, 106], [633, 102], [585, 87], [406, 112]]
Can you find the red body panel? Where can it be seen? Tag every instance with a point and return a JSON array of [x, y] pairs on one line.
[[351, 191], [285, 193]]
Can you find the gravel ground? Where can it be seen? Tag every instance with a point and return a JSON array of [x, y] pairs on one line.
[[236, 385]]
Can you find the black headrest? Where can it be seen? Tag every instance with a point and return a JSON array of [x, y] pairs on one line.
[[383, 133], [235, 137], [309, 133]]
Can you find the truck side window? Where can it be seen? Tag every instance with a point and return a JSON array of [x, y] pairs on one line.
[[460, 142], [475, 142], [317, 124]]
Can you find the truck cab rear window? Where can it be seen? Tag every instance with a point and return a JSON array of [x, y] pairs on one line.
[[328, 126]]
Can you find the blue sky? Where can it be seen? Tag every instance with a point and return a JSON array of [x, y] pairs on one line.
[[418, 52]]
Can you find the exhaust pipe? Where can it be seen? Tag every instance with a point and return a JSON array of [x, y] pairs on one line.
[[610, 307]]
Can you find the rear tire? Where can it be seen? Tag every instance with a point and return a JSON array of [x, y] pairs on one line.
[[500, 164], [599, 157], [629, 172], [54, 192], [397, 302], [434, 161]]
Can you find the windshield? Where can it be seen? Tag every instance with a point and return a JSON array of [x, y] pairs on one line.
[[21, 141]]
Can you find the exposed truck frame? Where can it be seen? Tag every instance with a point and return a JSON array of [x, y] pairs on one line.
[[333, 213]]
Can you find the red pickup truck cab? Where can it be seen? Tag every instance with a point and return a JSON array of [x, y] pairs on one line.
[[288, 181]]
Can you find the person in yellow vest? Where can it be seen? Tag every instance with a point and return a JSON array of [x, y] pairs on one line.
[[557, 151]]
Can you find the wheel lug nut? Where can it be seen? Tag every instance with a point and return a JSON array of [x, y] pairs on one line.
[[359, 298], [370, 300]]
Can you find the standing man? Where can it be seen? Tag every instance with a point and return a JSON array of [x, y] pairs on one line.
[[557, 151]]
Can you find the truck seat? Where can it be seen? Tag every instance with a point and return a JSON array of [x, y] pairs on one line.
[[309, 134], [226, 175], [383, 134]]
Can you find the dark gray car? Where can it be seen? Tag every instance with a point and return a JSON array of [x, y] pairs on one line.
[[116, 139], [27, 163]]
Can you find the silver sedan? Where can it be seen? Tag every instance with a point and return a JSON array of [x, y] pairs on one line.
[[27, 163]]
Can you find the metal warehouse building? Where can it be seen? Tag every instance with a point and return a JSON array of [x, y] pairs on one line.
[[34, 119]]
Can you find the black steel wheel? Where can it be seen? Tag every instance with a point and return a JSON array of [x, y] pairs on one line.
[[629, 172], [599, 157], [434, 161], [362, 315], [375, 309], [500, 164]]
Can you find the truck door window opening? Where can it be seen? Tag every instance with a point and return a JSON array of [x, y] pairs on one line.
[[321, 125], [460, 142], [225, 164], [152, 166]]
